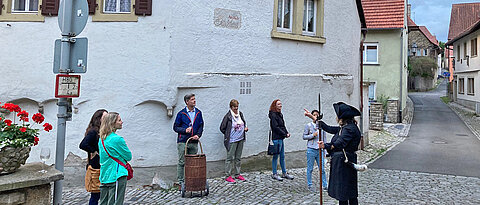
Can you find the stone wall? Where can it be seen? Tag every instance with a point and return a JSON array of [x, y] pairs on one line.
[[376, 116], [392, 111]]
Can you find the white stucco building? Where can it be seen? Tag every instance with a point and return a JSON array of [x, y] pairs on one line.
[[142, 65]]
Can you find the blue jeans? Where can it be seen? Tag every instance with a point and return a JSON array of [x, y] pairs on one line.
[[94, 197], [279, 143], [312, 156]]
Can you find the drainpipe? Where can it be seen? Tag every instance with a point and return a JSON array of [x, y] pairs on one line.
[[364, 33], [401, 74]]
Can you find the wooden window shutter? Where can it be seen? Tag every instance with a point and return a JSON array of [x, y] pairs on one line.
[[143, 7], [50, 7], [92, 5]]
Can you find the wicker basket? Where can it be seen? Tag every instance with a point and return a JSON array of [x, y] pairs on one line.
[[195, 170]]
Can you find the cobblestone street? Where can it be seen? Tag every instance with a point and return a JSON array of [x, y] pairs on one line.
[[376, 186]]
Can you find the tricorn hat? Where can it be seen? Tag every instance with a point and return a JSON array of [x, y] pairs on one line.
[[345, 111]]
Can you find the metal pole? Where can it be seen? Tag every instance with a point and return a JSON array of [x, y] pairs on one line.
[[62, 102], [320, 116]]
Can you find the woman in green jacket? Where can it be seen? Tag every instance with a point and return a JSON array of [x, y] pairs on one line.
[[113, 176]]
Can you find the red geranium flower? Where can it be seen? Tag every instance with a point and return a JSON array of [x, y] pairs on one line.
[[47, 127], [11, 107], [35, 140], [38, 118], [22, 114], [9, 122], [23, 129]]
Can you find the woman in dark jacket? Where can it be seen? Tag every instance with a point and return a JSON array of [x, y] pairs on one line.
[[233, 128], [279, 132], [343, 182], [90, 145]]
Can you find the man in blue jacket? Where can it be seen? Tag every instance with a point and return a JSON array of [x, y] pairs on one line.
[[188, 124]]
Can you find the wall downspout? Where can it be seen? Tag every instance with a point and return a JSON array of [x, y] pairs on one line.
[[364, 33], [401, 74]]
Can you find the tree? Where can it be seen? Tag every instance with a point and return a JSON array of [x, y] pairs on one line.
[[422, 66]]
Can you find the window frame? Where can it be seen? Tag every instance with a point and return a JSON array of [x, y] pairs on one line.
[[365, 48], [8, 16], [458, 52], [471, 86], [117, 7], [27, 7], [297, 23], [101, 16], [461, 85], [305, 14], [282, 29], [473, 48], [425, 52]]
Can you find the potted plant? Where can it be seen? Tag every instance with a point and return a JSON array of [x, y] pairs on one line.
[[16, 137]]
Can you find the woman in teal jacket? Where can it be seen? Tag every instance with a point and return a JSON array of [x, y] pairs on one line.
[[113, 176]]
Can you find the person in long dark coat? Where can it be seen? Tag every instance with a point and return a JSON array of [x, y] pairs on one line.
[[343, 181]]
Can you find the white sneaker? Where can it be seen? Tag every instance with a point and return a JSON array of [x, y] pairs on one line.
[[360, 167]]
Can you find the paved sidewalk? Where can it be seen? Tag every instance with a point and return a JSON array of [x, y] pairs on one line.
[[468, 116], [376, 186]]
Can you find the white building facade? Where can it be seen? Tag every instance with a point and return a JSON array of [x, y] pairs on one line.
[[142, 65]]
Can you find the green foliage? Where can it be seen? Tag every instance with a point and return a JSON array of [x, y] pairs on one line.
[[422, 66], [445, 99], [441, 45], [384, 100]]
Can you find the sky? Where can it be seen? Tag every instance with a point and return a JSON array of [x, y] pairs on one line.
[[435, 15]]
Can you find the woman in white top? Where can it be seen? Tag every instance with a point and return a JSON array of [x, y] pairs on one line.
[[233, 127]]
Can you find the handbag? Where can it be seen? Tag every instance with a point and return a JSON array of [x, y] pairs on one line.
[[127, 166], [92, 181], [272, 148]]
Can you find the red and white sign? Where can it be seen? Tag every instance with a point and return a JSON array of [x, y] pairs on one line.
[[67, 86]]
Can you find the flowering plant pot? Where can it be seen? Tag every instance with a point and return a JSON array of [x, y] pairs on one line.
[[17, 138]]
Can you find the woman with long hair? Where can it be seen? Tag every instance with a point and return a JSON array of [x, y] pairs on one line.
[[90, 145], [279, 133], [343, 181], [113, 177]]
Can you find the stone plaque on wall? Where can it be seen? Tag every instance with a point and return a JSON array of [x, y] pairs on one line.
[[227, 18]]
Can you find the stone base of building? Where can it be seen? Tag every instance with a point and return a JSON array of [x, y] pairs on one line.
[[470, 104]]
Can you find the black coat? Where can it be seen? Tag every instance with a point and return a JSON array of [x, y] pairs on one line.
[[343, 181], [277, 124], [90, 145], [226, 126]]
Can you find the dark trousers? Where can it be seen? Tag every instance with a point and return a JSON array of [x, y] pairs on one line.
[[352, 201], [94, 197]]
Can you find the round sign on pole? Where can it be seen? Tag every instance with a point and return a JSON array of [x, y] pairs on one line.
[[78, 15]]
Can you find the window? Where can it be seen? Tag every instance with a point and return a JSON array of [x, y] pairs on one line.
[[245, 88], [461, 84], [25, 6], [473, 49], [370, 53], [116, 6], [309, 17], [464, 50], [425, 52], [24, 10], [284, 15], [470, 87], [371, 92], [298, 20], [458, 53]]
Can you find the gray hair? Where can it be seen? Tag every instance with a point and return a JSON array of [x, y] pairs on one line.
[[187, 97]]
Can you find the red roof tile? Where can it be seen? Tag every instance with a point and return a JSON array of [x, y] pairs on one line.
[[462, 18], [384, 13], [410, 22], [427, 34]]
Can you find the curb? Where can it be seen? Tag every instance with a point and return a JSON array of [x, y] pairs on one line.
[[466, 124]]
